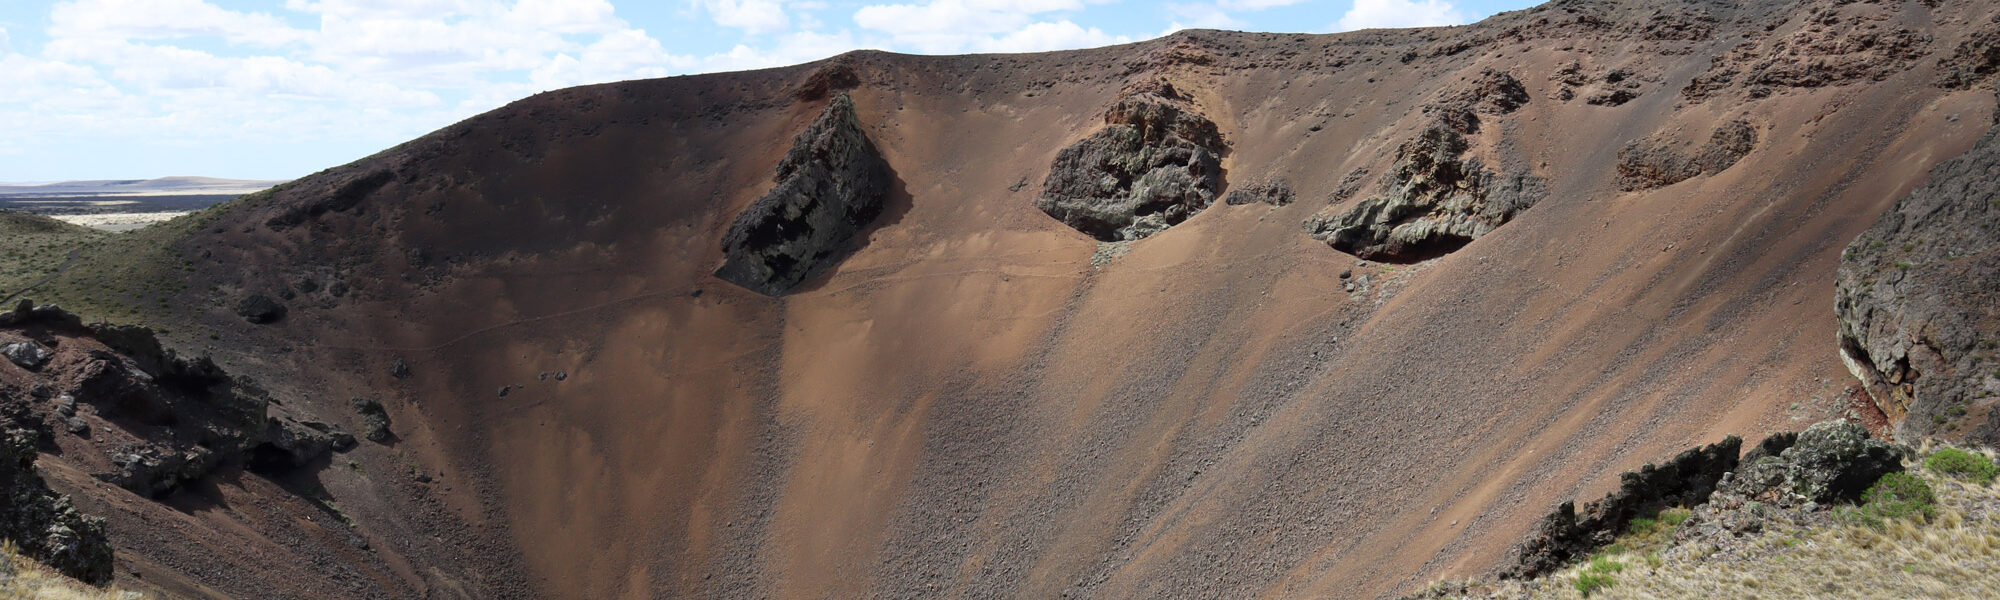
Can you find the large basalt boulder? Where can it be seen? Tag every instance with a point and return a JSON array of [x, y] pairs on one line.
[[1566, 534], [1915, 298], [1829, 462], [27, 355], [1155, 163], [831, 186], [1432, 202], [42, 523]]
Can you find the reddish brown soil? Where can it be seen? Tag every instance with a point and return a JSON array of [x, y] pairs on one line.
[[968, 408]]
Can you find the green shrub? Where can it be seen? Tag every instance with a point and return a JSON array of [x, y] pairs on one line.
[[1900, 496], [1959, 463], [1591, 582], [1597, 575]]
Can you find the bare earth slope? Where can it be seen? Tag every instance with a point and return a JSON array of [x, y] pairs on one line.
[[979, 403]]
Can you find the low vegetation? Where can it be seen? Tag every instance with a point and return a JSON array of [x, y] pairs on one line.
[[137, 277], [1930, 532], [23, 578], [1962, 464]]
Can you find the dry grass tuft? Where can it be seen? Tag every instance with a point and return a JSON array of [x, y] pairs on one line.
[[21, 578]]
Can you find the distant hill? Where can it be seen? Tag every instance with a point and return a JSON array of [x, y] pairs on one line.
[[164, 186]]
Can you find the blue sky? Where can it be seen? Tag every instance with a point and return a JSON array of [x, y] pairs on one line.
[[276, 89]]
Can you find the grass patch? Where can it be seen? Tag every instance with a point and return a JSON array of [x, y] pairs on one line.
[[1598, 575], [1964, 465]]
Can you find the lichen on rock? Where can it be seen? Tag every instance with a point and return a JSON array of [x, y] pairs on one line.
[[1155, 163], [831, 185], [1914, 300], [1433, 201]]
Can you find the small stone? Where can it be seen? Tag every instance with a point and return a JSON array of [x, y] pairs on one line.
[[399, 369], [76, 425], [504, 389], [562, 375], [1346, 273]]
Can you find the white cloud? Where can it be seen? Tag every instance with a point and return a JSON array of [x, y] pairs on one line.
[[164, 19], [752, 16], [622, 55], [1374, 14], [790, 49], [6, 47], [1060, 35], [1255, 4], [950, 26]]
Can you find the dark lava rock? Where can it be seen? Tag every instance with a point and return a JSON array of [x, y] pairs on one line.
[[374, 419], [1155, 163], [289, 444], [1567, 534], [27, 355], [1915, 298], [1829, 462], [156, 470], [42, 523], [338, 198], [831, 185], [1649, 164], [1494, 92], [399, 369], [1431, 203], [1275, 192], [51, 316], [260, 309]]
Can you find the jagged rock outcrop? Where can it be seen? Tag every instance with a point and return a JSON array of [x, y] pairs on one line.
[[42, 523], [1433, 201], [1155, 163], [1834, 42], [158, 420], [342, 198], [1975, 60], [1568, 534], [1829, 462], [1652, 163], [1915, 298], [831, 186]]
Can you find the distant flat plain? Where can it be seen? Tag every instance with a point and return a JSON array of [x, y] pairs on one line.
[[126, 204]]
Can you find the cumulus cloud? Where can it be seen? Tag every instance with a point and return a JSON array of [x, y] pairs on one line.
[[163, 19], [751, 16], [372, 71], [948, 26], [1375, 14]]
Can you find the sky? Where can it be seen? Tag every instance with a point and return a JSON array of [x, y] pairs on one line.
[[278, 89]]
